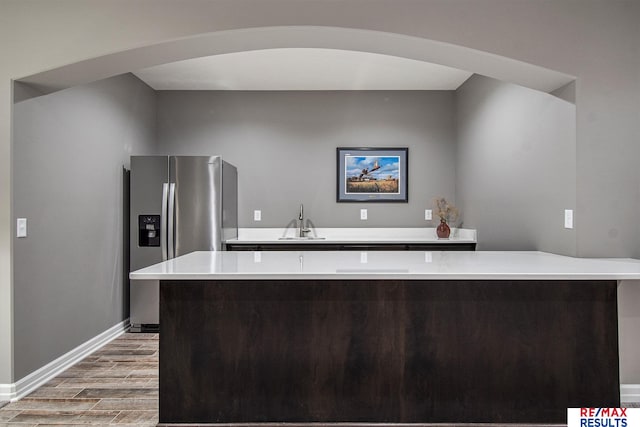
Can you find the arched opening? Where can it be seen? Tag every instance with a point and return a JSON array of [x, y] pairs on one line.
[[82, 136], [475, 61]]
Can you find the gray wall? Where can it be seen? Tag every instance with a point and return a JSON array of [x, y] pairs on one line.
[[629, 327], [70, 148], [284, 145], [592, 39], [516, 162]]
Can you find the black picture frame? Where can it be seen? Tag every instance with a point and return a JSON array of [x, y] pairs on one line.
[[372, 174]]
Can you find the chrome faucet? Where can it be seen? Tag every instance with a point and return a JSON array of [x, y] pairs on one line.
[[302, 232]]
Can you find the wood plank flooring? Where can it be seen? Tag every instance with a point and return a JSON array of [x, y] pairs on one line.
[[117, 385]]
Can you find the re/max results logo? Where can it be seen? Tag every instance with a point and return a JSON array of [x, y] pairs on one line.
[[603, 417]]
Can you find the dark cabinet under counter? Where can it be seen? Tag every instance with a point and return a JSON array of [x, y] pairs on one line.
[[381, 352], [317, 246]]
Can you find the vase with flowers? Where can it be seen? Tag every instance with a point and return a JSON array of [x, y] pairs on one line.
[[447, 213]]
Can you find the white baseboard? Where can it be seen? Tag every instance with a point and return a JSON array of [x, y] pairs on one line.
[[24, 386], [630, 393]]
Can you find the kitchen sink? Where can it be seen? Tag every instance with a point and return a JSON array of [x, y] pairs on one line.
[[302, 238]]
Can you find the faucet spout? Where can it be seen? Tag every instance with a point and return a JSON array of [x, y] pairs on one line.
[[302, 232]]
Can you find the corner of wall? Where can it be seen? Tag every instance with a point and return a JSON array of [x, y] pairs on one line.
[[566, 92], [7, 373], [24, 91]]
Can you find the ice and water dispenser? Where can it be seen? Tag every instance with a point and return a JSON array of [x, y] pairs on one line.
[[148, 230]]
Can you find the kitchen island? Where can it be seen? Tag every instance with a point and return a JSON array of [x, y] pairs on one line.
[[386, 337]]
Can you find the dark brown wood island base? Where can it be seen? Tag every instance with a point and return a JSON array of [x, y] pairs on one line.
[[386, 351], [357, 425]]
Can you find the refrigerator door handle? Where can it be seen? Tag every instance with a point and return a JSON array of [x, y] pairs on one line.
[[171, 221], [163, 221]]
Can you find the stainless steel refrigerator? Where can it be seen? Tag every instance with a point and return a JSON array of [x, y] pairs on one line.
[[178, 204]]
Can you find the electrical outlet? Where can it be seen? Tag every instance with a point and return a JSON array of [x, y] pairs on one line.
[[428, 216], [428, 257], [257, 257], [21, 227], [568, 218], [363, 258], [257, 215], [363, 214]]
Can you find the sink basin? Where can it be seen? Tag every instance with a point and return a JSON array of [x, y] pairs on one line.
[[301, 238]]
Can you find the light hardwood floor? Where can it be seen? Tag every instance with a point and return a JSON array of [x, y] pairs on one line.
[[117, 385]]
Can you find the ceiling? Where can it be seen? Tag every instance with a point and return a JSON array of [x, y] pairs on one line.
[[302, 69]]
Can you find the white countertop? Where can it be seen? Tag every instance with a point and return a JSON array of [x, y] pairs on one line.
[[408, 265], [353, 235]]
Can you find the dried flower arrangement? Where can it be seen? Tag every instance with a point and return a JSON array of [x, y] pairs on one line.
[[445, 210]]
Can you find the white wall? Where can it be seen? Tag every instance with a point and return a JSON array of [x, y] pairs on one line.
[[591, 39], [516, 166]]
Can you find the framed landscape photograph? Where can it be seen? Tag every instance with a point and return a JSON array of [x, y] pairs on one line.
[[372, 174]]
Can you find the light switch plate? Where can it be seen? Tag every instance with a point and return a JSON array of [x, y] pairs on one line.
[[257, 257], [363, 214], [257, 215], [363, 258], [428, 216], [21, 227], [568, 218]]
